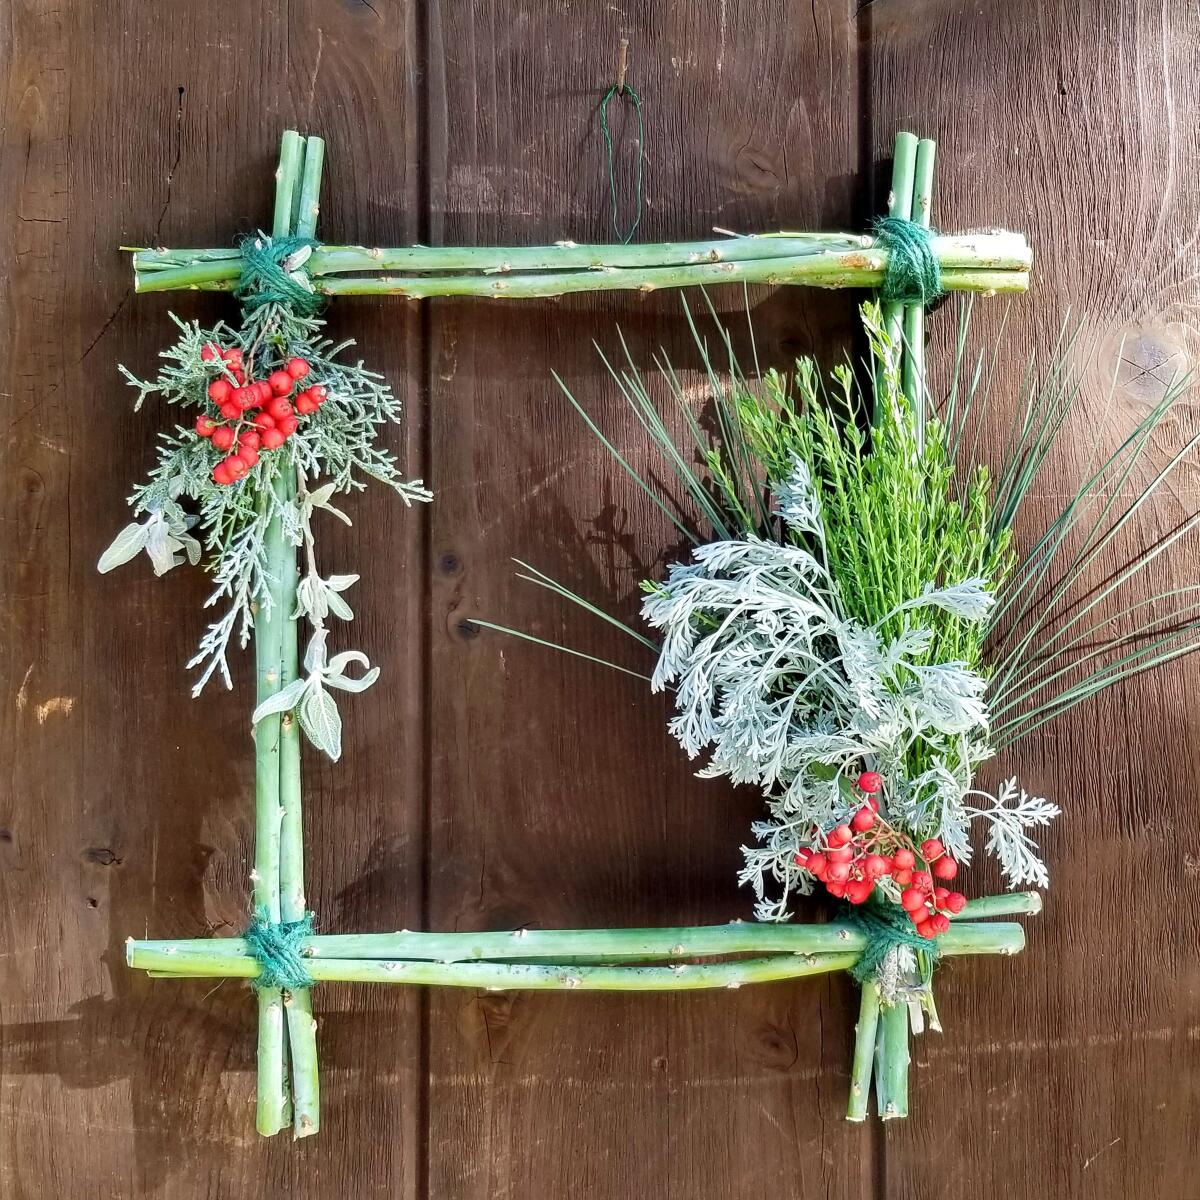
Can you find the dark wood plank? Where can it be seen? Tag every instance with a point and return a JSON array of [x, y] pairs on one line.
[[1073, 1069], [128, 808], [558, 798]]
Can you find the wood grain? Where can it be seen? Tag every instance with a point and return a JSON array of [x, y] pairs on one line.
[[128, 807], [558, 798], [1074, 1070], [488, 783]]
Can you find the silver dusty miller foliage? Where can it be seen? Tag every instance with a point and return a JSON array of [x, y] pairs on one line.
[[786, 692]]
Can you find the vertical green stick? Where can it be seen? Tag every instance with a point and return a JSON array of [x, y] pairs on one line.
[[900, 204], [864, 1052], [914, 314], [270, 622], [298, 1004]]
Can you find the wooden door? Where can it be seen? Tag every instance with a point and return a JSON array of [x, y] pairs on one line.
[[487, 783]]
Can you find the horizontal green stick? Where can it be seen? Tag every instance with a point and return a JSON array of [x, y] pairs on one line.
[[350, 957], [1001, 262], [1006, 905], [527, 977], [987, 251]]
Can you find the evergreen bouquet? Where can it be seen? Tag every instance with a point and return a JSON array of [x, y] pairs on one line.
[[855, 630]]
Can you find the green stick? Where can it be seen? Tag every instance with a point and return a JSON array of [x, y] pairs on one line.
[[534, 977], [914, 314], [900, 204], [1006, 905], [210, 955], [301, 1024], [1001, 252], [865, 1033], [891, 1063], [270, 624]]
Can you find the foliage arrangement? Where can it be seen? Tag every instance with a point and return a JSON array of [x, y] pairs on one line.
[[278, 423], [855, 631], [784, 617]]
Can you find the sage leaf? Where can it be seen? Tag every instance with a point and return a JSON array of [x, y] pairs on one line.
[[128, 544], [321, 722]]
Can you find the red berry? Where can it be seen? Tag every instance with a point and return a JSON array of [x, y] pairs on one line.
[[222, 437], [236, 466], [939, 896], [278, 407], [272, 439], [858, 891], [248, 455], [306, 404], [281, 382], [210, 353], [836, 889], [243, 397], [940, 922], [911, 899], [297, 368], [263, 388], [843, 854], [230, 410], [870, 781], [861, 821], [802, 856], [926, 930], [931, 848], [956, 902], [233, 356], [923, 881], [876, 865], [205, 426], [904, 859], [263, 421], [318, 393], [218, 390], [287, 426], [220, 474], [902, 877], [839, 872], [945, 867], [249, 439], [840, 836]]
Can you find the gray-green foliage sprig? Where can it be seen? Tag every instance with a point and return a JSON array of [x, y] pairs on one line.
[[184, 509]]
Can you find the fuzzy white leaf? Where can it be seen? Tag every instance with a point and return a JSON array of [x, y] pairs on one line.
[[127, 545], [321, 722], [283, 701]]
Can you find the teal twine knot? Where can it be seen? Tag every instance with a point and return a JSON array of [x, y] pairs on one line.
[[265, 279], [885, 929], [276, 946], [913, 275]]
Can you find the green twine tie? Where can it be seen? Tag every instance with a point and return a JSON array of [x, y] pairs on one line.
[[636, 100], [913, 275], [885, 929], [276, 946], [264, 279]]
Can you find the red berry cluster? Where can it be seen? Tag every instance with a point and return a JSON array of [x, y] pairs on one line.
[[256, 414], [857, 855]]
